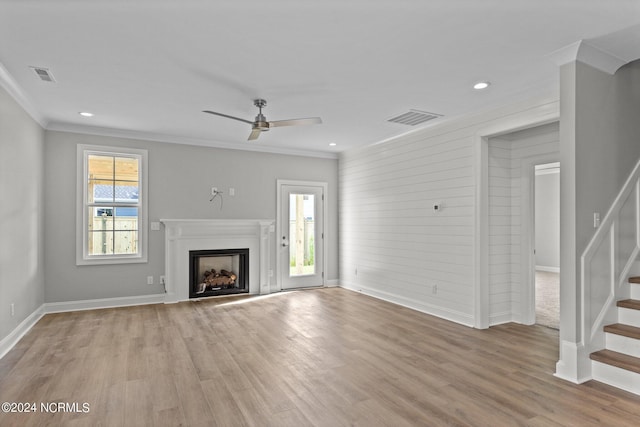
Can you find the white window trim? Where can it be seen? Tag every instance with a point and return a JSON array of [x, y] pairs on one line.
[[82, 258]]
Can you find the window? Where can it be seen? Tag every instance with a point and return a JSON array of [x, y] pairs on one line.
[[112, 205]]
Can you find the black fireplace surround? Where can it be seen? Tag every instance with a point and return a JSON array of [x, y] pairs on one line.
[[216, 272]]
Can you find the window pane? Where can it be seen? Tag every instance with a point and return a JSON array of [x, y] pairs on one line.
[[100, 191], [126, 191], [100, 243], [100, 227], [126, 219], [301, 234], [125, 242], [100, 218], [126, 169], [112, 230], [100, 167]]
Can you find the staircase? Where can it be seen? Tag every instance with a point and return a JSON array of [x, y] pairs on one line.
[[619, 363]]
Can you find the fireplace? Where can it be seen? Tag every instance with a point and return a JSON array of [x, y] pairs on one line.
[[217, 272]]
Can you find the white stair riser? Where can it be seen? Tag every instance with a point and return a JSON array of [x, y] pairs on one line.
[[629, 316], [622, 344], [635, 290], [616, 377]]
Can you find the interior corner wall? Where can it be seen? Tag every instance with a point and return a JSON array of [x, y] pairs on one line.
[[393, 244], [21, 215], [180, 181]]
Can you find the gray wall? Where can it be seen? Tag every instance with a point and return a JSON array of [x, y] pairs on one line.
[[21, 234], [180, 181], [607, 135], [600, 144], [547, 219]]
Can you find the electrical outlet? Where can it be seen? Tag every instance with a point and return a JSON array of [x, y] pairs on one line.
[[149, 280], [214, 191], [13, 309]]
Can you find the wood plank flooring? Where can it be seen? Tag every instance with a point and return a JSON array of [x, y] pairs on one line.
[[326, 357]]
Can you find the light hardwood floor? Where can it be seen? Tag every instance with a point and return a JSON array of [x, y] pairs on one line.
[[327, 357]]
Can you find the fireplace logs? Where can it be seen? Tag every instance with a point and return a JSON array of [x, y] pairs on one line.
[[213, 280]]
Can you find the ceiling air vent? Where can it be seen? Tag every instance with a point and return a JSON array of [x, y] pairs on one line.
[[44, 74], [414, 117]]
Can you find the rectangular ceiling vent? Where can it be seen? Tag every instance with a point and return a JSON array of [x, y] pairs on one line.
[[44, 74], [414, 117]]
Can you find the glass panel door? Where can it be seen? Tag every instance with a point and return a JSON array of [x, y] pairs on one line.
[[302, 236]]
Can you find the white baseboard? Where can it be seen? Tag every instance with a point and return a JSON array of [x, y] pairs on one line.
[[93, 304], [451, 315], [333, 283], [549, 269], [574, 364], [8, 342], [500, 318]]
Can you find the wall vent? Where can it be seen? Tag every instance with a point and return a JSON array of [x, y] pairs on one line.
[[43, 74], [414, 117]]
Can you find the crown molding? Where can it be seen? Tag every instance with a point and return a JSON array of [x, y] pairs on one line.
[[8, 83], [173, 139], [586, 53]]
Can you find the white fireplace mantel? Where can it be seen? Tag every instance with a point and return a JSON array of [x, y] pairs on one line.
[[184, 235]]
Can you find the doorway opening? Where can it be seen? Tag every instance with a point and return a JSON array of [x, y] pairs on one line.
[[547, 244], [509, 266]]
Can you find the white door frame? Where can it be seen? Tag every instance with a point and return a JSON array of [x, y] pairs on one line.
[[279, 213], [481, 244]]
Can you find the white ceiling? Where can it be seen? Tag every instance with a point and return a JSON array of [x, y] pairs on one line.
[[147, 68]]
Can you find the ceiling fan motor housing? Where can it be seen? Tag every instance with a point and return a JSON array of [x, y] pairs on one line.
[[261, 121]]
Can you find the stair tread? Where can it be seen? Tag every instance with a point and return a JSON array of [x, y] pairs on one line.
[[620, 360], [629, 303], [624, 330], [634, 279]]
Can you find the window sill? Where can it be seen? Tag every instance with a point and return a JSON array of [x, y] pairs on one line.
[[111, 260]]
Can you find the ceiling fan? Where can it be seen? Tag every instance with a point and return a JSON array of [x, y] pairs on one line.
[[260, 124]]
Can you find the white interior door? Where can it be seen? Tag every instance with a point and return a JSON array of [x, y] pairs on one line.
[[301, 238]]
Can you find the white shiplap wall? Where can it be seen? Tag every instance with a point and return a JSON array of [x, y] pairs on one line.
[[506, 157], [392, 244]]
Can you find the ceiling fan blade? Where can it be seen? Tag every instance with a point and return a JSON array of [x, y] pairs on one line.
[[255, 133], [296, 122], [227, 116]]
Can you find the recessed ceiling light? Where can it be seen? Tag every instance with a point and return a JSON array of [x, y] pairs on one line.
[[85, 114], [332, 144], [481, 85]]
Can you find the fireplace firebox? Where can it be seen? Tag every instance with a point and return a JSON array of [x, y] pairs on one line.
[[218, 272]]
